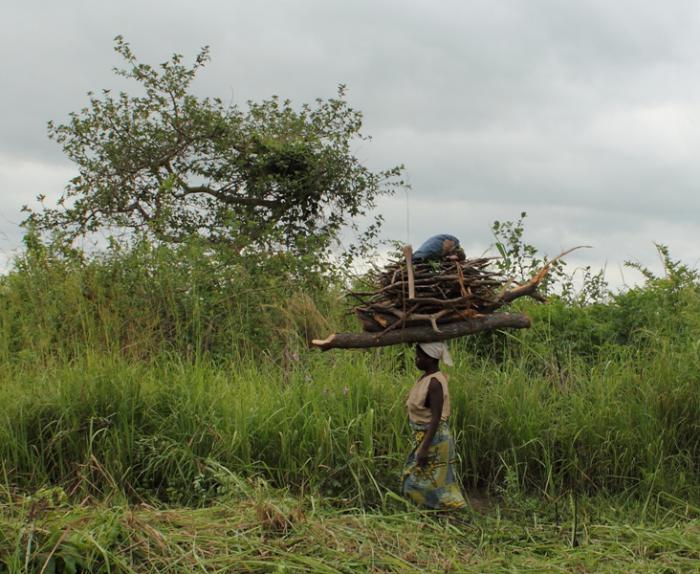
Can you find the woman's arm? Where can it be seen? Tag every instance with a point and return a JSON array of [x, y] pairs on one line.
[[435, 400]]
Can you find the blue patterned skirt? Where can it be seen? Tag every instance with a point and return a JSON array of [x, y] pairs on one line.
[[435, 484]]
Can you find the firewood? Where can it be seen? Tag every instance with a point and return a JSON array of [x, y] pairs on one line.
[[436, 300]]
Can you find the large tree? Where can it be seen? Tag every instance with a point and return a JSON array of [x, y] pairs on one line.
[[175, 166]]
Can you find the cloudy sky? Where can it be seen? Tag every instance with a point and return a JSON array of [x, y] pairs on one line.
[[584, 114]]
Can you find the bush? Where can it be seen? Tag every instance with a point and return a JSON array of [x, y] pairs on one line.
[[144, 299]]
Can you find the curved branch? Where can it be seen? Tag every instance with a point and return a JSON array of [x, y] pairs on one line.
[[230, 199], [529, 288]]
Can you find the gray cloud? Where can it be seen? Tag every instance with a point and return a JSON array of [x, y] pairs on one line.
[[584, 114]]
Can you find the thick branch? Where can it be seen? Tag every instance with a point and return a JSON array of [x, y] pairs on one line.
[[231, 199], [424, 334]]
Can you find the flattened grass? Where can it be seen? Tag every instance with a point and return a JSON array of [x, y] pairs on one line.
[[263, 530]]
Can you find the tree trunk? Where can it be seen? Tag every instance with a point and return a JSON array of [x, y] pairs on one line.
[[424, 334]]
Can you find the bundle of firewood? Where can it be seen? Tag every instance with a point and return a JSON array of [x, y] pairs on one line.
[[432, 292], [435, 300]]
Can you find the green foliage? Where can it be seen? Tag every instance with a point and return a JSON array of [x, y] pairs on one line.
[[163, 372], [662, 311], [665, 306], [143, 299], [582, 317], [156, 371], [335, 425], [520, 260], [174, 167]]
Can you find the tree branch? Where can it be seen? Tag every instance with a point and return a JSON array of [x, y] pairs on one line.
[[229, 198], [529, 288]]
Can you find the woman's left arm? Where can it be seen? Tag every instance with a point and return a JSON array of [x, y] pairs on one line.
[[436, 399]]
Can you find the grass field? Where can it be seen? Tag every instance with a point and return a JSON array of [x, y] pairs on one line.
[[261, 530], [154, 419], [115, 466], [337, 423]]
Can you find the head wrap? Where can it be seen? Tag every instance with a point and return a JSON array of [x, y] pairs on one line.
[[437, 351]]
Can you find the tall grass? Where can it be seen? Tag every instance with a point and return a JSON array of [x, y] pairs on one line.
[[148, 300], [336, 424], [160, 373]]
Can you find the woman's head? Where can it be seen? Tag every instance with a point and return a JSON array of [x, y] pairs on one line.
[[425, 362], [428, 355]]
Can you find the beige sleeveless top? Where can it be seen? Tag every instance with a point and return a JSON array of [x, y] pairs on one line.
[[417, 411]]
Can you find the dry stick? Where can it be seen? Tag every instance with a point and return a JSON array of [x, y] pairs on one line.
[[460, 275], [529, 287], [404, 316], [446, 302], [408, 254], [400, 323], [433, 318]]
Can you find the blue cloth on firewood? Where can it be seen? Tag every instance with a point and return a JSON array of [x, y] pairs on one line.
[[432, 248]]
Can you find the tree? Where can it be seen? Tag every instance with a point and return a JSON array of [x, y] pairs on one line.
[[173, 166]]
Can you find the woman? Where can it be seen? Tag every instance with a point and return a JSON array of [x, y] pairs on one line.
[[429, 475]]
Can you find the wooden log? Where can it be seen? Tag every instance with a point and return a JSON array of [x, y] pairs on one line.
[[424, 334]]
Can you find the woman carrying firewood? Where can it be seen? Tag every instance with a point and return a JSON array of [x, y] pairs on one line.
[[429, 474]]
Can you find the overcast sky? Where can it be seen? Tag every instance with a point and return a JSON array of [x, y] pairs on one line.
[[584, 114]]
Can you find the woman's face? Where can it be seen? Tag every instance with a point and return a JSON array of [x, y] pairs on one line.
[[423, 361]]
